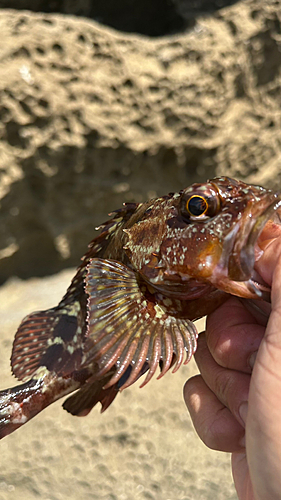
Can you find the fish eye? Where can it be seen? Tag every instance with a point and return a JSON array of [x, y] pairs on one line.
[[200, 203], [196, 206]]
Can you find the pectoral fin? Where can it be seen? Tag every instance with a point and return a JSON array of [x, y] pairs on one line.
[[128, 326]]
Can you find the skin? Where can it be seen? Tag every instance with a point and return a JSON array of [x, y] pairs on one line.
[[235, 402]]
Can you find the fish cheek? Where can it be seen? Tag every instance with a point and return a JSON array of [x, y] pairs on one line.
[[208, 258], [194, 258]]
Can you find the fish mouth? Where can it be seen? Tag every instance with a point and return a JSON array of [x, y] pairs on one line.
[[258, 229]]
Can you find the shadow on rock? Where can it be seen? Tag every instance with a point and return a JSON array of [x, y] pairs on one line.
[[151, 18]]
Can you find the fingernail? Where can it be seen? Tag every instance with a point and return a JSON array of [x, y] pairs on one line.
[[243, 410], [252, 359]]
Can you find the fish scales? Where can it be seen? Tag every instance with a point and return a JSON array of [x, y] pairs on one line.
[[129, 310]]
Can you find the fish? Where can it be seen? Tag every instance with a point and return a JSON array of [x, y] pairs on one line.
[[153, 269]]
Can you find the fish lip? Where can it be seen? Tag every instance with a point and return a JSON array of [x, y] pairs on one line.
[[248, 279], [247, 253]]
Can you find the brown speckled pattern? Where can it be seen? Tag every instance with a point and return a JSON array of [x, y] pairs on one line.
[[153, 269]]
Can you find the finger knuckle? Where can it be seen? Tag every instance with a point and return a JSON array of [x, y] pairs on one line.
[[223, 385]]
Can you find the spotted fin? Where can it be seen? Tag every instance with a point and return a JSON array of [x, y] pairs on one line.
[[128, 327], [49, 339]]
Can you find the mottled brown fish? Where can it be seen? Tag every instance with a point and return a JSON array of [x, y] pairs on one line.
[[154, 268]]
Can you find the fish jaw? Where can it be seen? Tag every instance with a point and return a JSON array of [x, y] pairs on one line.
[[236, 273]]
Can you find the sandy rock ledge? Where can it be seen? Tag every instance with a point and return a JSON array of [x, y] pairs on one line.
[[91, 117]]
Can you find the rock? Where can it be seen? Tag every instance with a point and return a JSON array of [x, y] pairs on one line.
[[157, 18], [91, 118]]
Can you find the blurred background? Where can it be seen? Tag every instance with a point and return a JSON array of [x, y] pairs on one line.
[[105, 102], [90, 117]]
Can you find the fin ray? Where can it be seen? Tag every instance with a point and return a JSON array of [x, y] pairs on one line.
[[51, 339], [82, 401], [33, 331], [126, 325]]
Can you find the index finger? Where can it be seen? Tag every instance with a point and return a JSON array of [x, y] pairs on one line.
[[234, 335]]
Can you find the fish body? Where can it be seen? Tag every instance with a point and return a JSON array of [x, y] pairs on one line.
[[153, 269]]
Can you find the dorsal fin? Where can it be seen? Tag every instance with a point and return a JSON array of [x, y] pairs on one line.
[[119, 217], [127, 326], [96, 248]]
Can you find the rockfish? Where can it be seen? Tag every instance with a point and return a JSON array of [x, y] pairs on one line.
[[154, 268]]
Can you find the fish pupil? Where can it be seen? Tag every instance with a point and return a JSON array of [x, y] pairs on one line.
[[197, 205]]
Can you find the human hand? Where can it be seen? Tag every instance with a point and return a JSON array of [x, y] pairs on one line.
[[235, 403]]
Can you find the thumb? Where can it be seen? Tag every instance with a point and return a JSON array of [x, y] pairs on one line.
[[263, 435]]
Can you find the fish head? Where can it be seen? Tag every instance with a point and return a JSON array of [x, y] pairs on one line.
[[207, 235]]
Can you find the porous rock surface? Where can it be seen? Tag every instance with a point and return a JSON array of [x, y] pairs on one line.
[[91, 118]]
